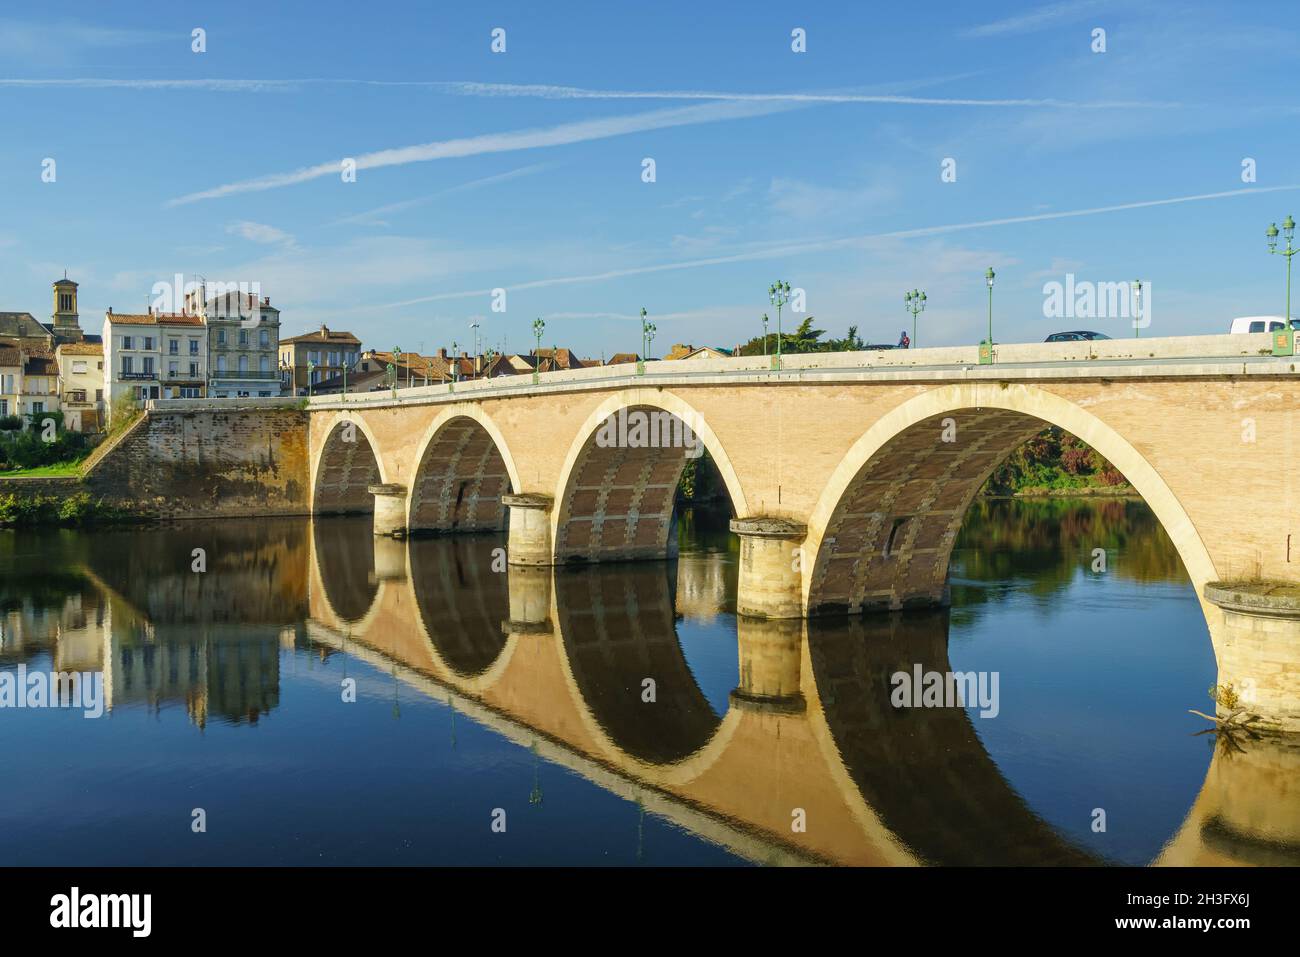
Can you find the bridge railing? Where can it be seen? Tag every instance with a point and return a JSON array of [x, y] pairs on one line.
[[1175, 349]]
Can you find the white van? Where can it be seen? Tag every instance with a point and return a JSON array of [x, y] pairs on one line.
[[1260, 324]]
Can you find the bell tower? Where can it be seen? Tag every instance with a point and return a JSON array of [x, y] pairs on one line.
[[67, 327]]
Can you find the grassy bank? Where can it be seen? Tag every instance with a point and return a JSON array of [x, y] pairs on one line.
[[76, 510]]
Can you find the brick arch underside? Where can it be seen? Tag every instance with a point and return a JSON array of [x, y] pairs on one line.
[[460, 481], [618, 503], [348, 467], [889, 539]]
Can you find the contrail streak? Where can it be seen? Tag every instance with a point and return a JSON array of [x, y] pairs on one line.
[[796, 249]]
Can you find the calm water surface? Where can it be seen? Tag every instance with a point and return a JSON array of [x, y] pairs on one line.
[[520, 699]]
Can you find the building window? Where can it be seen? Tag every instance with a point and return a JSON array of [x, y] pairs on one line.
[[127, 342], [243, 365], [189, 392], [313, 356], [38, 407], [128, 365], [264, 365], [146, 365], [4, 406], [243, 337], [78, 368], [221, 339], [194, 369], [264, 395], [173, 369], [148, 343], [194, 347], [221, 366], [264, 337], [174, 347]]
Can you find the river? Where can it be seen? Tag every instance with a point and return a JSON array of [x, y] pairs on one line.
[[296, 692]]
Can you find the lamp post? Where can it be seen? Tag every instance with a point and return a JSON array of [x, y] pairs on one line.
[[647, 336], [539, 326], [778, 294], [1137, 308], [455, 362], [986, 348], [765, 322], [474, 326], [311, 368], [1284, 344], [487, 365], [914, 302], [397, 358]]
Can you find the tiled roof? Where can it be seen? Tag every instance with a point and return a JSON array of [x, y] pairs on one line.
[[21, 325], [178, 319], [82, 349], [9, 356], [619, 358], [325, 336], [132, 319]]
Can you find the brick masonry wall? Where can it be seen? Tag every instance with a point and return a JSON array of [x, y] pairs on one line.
[[208, 464]]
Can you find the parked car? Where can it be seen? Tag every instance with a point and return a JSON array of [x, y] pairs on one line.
[[1079, 335], [1260, 324]]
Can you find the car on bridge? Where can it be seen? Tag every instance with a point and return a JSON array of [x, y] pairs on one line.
[[1078, 335], [1246, 324]]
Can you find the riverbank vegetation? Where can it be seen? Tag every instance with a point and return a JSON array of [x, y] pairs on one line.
[[29, 448], [1054, 462], [76, 510]]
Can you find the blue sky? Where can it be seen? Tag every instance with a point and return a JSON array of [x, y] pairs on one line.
[[523, 169]]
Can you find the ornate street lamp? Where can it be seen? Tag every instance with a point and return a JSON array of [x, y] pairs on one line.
[[986, 347], [778, 294], [647, 336], [765, 322], [455, 362], [311, 368], [1284, 344], [539, 326], [914, 302], [392, 367], [1137, 308]]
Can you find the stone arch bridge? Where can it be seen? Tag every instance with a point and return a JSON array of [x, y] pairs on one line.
[[850, 474]]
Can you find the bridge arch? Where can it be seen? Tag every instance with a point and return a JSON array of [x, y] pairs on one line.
[[346, 466], [883, 529], [615, 501], [463, 468]]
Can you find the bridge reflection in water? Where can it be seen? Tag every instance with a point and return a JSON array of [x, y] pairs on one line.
[[586, 664], [590, 667]]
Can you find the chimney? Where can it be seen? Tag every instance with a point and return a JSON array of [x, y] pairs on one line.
[[324, 329], [442, 353]]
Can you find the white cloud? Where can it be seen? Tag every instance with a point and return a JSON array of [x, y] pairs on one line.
[[64, 40], [259, 233], [801, 200], [371, 216], [1037, 19]]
